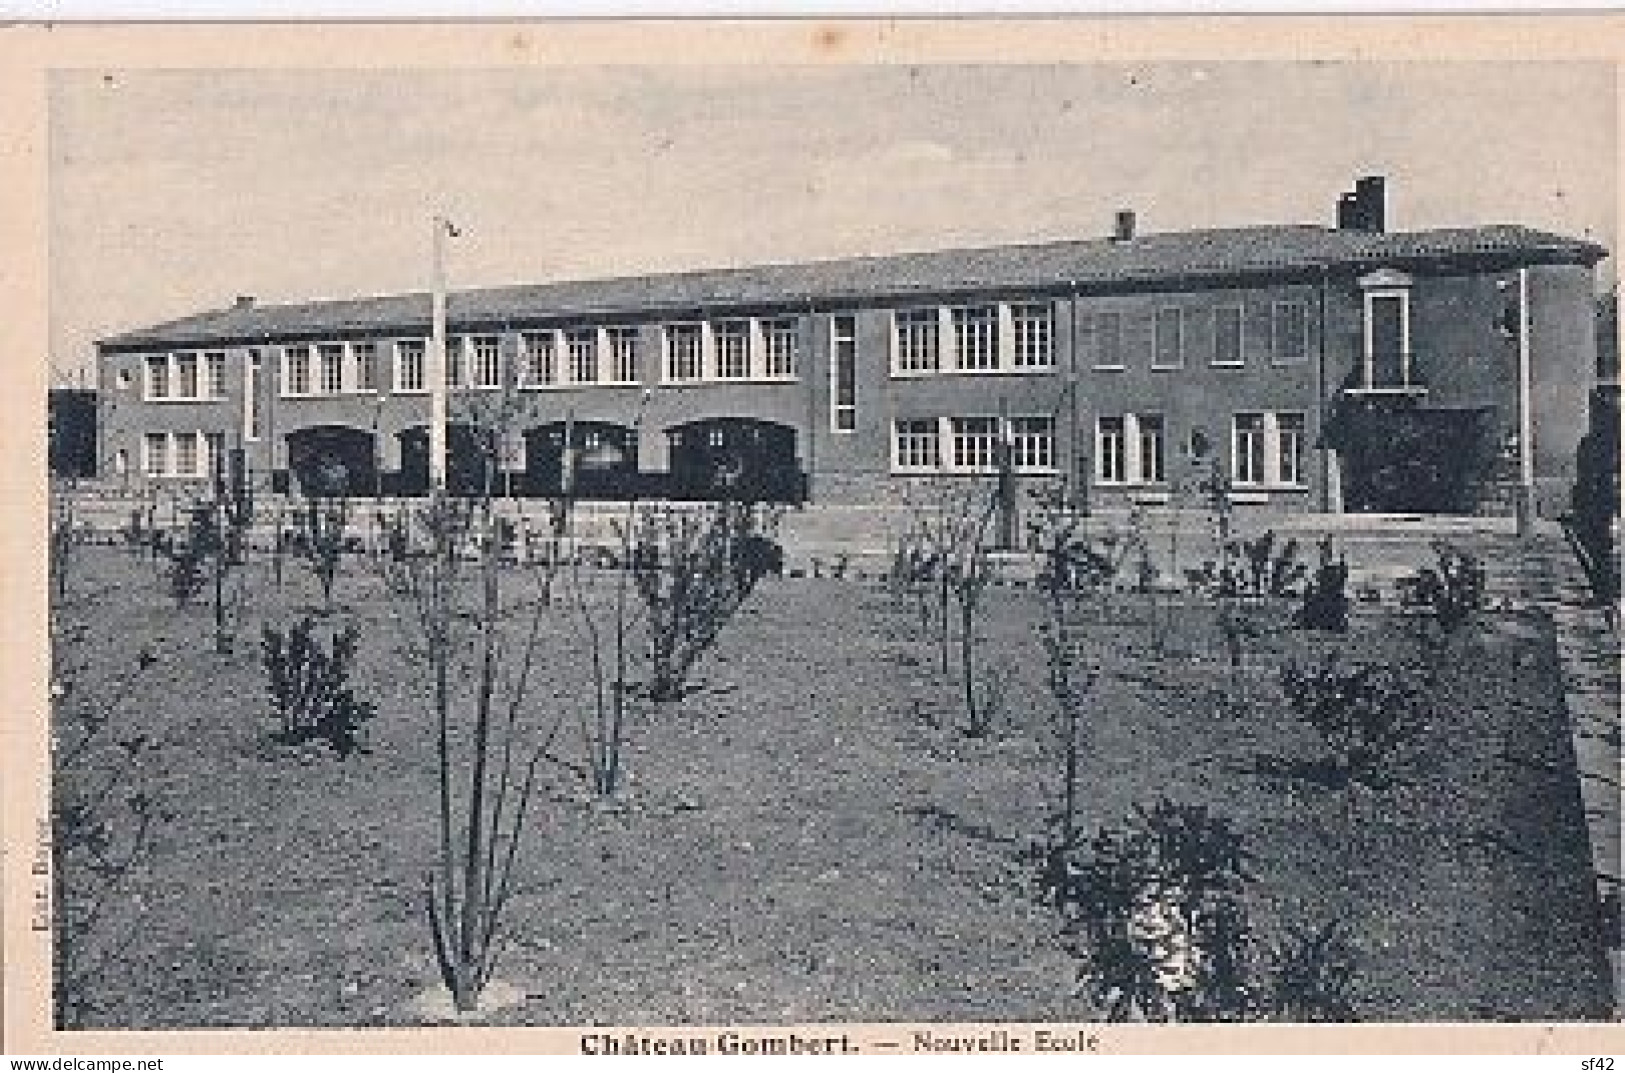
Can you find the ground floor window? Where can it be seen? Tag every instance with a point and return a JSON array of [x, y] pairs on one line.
[[1130, 449], [181, 454], [1268, 448], [973, 444]]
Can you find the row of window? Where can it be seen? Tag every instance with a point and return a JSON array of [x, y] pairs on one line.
[[996, 337], [972, 444], [1267, 449], [189, 375], [1107, 340], [179, 454]]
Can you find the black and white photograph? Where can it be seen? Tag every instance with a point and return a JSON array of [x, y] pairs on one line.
[[707, 553]]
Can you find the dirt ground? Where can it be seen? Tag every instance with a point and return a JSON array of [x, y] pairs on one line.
[[810, 837]]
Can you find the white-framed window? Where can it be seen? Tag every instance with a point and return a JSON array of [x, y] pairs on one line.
[[1032, 443], [975, 338], [1033, 330], [1290, 332], [365, 357], [1150, 448], [538, 365], [157, 376], [186, 455], [1291, 432], [296, 370], [1227, 345], [782, 340], [915, 337], [253, 377], [1247, 450], [974, 442], [1270, 449], [581, 347], [410, 363], [1387, 336], [155, 454], [843, 374], [1111, 450], [623, 354], [186, 376], [487, 360], [731, 345], [1102, 340], [214, 374], [685, 352], [917, 444], [331, 357], [1168, 348]]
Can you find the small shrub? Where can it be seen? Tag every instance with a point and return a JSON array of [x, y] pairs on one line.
[[1365, 713], [1325, 598], [187, 556], [1452, 593], [309, 686], [1154, 913], [1313, 977], [321, 542]]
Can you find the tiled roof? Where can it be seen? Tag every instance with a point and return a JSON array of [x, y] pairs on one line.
[[1094, 263]]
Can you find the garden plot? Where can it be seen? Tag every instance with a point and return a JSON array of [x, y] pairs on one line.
[[809, 834]]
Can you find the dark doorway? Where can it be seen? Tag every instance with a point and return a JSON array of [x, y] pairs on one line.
[[1399, 458], [735, 457], [605, 460], [471, 459], [333, 460]]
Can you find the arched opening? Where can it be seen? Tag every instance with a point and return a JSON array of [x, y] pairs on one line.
[[333, 460], [471, 461], [735, 458], [604, 457]]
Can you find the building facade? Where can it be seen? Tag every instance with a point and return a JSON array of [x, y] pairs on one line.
[[1316, 368]]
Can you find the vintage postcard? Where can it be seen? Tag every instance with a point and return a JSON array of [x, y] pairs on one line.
[[735, 537]]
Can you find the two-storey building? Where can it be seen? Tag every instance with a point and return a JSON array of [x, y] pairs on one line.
[[1317, 367]]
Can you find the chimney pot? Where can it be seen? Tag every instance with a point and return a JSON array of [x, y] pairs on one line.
[[244, 301], [1124, 231]]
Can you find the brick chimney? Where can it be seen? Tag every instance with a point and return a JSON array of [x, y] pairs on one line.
[[244, 301], [1124, 228], [1366, 207]]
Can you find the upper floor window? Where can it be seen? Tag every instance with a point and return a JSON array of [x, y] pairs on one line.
[[214, 370], [1387, 358], [1227, 336], [623, 354], [332, 366], [409, 365], [1169, 346], [296, 370], [538, 367], [1033, 328], [915, 338], [581, 345], [487, 361], [365, 355], [976, 337], [781, 340], [1102, 339], [685, 352], [1291, 331], [186, 376], [157, 376], [731, 339], [457, 361]]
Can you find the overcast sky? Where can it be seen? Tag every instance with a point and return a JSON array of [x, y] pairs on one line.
[[172, 192]]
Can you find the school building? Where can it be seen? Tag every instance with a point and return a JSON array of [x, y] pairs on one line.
[[1340, 367]]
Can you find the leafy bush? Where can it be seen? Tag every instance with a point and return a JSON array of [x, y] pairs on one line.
[[321, 541], [688, 572], [1325, 598], [186, 557], [1453, 593], [1256, 567], [1365, 713], [1155, 911], [309, 686]]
